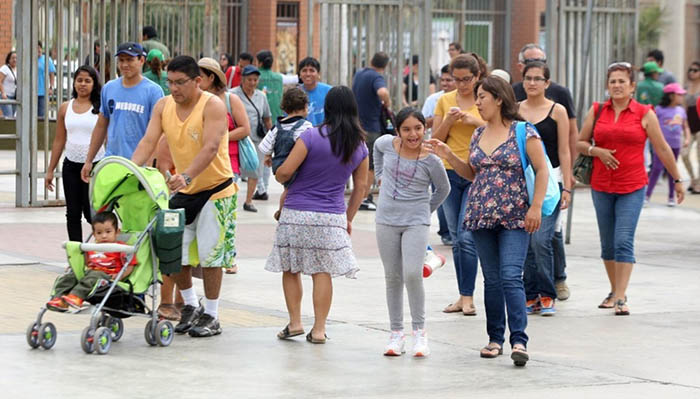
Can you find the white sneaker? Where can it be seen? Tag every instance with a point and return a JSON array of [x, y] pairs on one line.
[[671, 203], [420, 343], [396, 345]]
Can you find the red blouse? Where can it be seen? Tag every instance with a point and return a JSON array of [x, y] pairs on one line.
[[627, 136]]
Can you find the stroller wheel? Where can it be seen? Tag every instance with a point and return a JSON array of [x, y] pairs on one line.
[[87, 340], [116, 326], [148, 334], [103, 340], [33, 335], [164, 333], [47, 335]]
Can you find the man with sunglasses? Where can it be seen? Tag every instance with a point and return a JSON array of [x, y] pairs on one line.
[[561, 95], [126, 106]]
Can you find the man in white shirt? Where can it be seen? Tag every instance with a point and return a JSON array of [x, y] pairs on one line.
[[447, 84]]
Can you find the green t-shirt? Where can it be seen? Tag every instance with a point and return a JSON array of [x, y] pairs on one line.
[[162, 82], [271, 84], [150, 44], [649, 92]]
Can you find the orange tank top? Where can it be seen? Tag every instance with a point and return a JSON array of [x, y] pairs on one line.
[[185, 139]]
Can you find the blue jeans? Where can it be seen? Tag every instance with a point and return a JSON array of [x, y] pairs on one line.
[[464, 252], [8, 110], [539, 265], [443, 230], [617, 216], [559, 256], [40, 107], [502, 253]]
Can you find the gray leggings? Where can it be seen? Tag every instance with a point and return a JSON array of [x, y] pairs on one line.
[[402, 249]]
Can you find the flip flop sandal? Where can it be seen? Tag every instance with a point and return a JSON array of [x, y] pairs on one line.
[[489, 352], [519, 357], [168, 312], [619, 308], [450, 309], [606, 300], [231, 270], [470, 312], [313, 340], [284, 334]]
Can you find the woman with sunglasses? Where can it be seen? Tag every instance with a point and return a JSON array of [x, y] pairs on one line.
[[691, 98], [456, 118], [619, 178]]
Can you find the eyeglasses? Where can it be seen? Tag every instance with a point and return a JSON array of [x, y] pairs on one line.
[[535, 79], [180, 82], [693, 70], [617, 65], [526, 60], [463, 80]]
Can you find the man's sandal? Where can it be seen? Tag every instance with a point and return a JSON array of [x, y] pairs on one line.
[[487, 351], [519, 356], [310, 338], [286, 333]]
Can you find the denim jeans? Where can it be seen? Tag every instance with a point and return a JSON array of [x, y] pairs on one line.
[[442, 221], [559, 256], [539, 265], [617, 216], [8, 110], [502, 253], [464, 252], [40, 107]]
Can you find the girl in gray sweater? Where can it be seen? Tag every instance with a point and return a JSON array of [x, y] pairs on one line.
[[406, 171]]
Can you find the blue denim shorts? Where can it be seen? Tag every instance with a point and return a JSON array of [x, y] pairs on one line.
[[617, 216]]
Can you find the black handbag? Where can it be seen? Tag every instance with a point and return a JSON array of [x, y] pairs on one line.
[[583, 165], [260, 131]]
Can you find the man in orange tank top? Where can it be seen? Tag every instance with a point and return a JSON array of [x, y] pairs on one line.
[[195, 126]]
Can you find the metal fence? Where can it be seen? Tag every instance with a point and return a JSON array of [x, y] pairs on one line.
[[613, 37], [353, 30]]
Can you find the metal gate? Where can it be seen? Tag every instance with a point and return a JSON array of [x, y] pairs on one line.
[[613, 37]]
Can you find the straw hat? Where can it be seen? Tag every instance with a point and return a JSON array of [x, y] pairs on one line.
[[212, 65]]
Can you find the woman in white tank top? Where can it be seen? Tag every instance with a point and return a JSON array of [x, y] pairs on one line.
[[76, 120]]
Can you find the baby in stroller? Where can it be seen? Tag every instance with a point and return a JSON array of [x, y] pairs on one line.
[[69, 291]]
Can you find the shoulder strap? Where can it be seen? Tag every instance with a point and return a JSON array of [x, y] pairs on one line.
[[598, 109], [230, 77], [520, 137], [552, 109], [228, 103], [251, 103]]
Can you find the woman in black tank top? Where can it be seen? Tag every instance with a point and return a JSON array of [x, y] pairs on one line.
[[552, 122]]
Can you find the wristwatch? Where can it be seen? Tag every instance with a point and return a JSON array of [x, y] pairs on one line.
[[187, 178], [678, 181]]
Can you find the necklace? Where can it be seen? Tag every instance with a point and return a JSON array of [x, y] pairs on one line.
[[397, 182]]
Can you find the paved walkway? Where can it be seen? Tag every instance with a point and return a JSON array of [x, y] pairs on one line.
[[581, 352]]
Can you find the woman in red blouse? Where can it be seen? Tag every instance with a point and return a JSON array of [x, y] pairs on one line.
[[619, 176]]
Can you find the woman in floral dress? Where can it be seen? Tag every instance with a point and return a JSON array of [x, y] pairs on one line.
[[498, 213]]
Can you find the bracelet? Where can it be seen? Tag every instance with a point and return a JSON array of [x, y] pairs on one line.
[[567, 190], [590, 149], [678, 181]]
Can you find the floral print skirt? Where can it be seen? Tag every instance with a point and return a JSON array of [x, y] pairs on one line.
[[312, 242]]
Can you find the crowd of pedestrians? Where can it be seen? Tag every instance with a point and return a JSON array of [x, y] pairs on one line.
[[194, 118]]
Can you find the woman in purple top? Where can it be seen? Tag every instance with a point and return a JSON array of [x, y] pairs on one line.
[[498, 213], [674, 126], [313, 236]]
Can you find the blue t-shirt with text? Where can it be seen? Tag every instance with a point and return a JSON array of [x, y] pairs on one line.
[[128, 110], [317, 98]]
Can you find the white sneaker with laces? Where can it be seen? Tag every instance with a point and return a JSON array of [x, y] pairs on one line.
[[420, 343], [396, 345]]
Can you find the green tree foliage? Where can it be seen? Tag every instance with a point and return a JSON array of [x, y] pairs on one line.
[[652, 21]]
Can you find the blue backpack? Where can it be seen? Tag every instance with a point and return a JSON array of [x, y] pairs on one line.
[[553, 195]]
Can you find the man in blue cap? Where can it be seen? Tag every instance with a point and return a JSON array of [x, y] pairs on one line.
[[126, 105]]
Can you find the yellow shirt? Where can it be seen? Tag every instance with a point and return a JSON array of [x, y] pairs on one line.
[[185, 140], [460, 135]]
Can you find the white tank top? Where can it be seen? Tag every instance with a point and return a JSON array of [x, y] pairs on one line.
[[78, 132]]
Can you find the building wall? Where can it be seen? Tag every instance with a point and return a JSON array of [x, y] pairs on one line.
[[6, 34], [525, 28]]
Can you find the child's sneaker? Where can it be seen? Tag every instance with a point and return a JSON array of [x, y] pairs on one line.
[[73, 301], [396, 344], [57, 304], [547, 306], [533, 306], [420, 343]]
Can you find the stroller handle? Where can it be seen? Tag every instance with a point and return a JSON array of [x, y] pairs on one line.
[[111, 247]]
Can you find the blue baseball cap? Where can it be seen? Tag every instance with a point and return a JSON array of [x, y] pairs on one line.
[[131, 48], [249, 70]]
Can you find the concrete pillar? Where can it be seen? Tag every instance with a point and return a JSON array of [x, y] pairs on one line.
[[672, 41]]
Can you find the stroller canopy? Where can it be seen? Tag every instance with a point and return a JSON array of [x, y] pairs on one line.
[[132, 192]]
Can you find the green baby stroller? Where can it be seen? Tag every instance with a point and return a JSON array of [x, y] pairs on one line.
[[152, 233]]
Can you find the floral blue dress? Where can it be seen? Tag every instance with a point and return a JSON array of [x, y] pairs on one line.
[[498, 195]]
